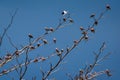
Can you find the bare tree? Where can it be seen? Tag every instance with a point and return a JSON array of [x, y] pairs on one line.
[[21, 66]]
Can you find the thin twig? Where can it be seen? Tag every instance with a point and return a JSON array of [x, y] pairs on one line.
[[9, 25]]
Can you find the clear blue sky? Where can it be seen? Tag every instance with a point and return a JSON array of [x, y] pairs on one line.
[[34, 15]]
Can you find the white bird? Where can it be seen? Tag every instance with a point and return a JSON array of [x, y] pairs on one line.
[[64, 12]]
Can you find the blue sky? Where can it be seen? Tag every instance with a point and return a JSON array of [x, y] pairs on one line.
[[33, 16]]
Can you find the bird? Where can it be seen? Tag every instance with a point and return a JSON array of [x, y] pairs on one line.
[[64, 12]]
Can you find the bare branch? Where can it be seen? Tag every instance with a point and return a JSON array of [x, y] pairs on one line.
[[9, 25]]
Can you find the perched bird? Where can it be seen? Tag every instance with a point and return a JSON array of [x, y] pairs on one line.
[[30, 35], [92, 15], [64, 12], [92, 30], [86, 37], [44, 41], [57, 50], [54, 40], [81, 28], [71, 21], [96, 22], [62, 50], [75, 42], [108, 7]]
